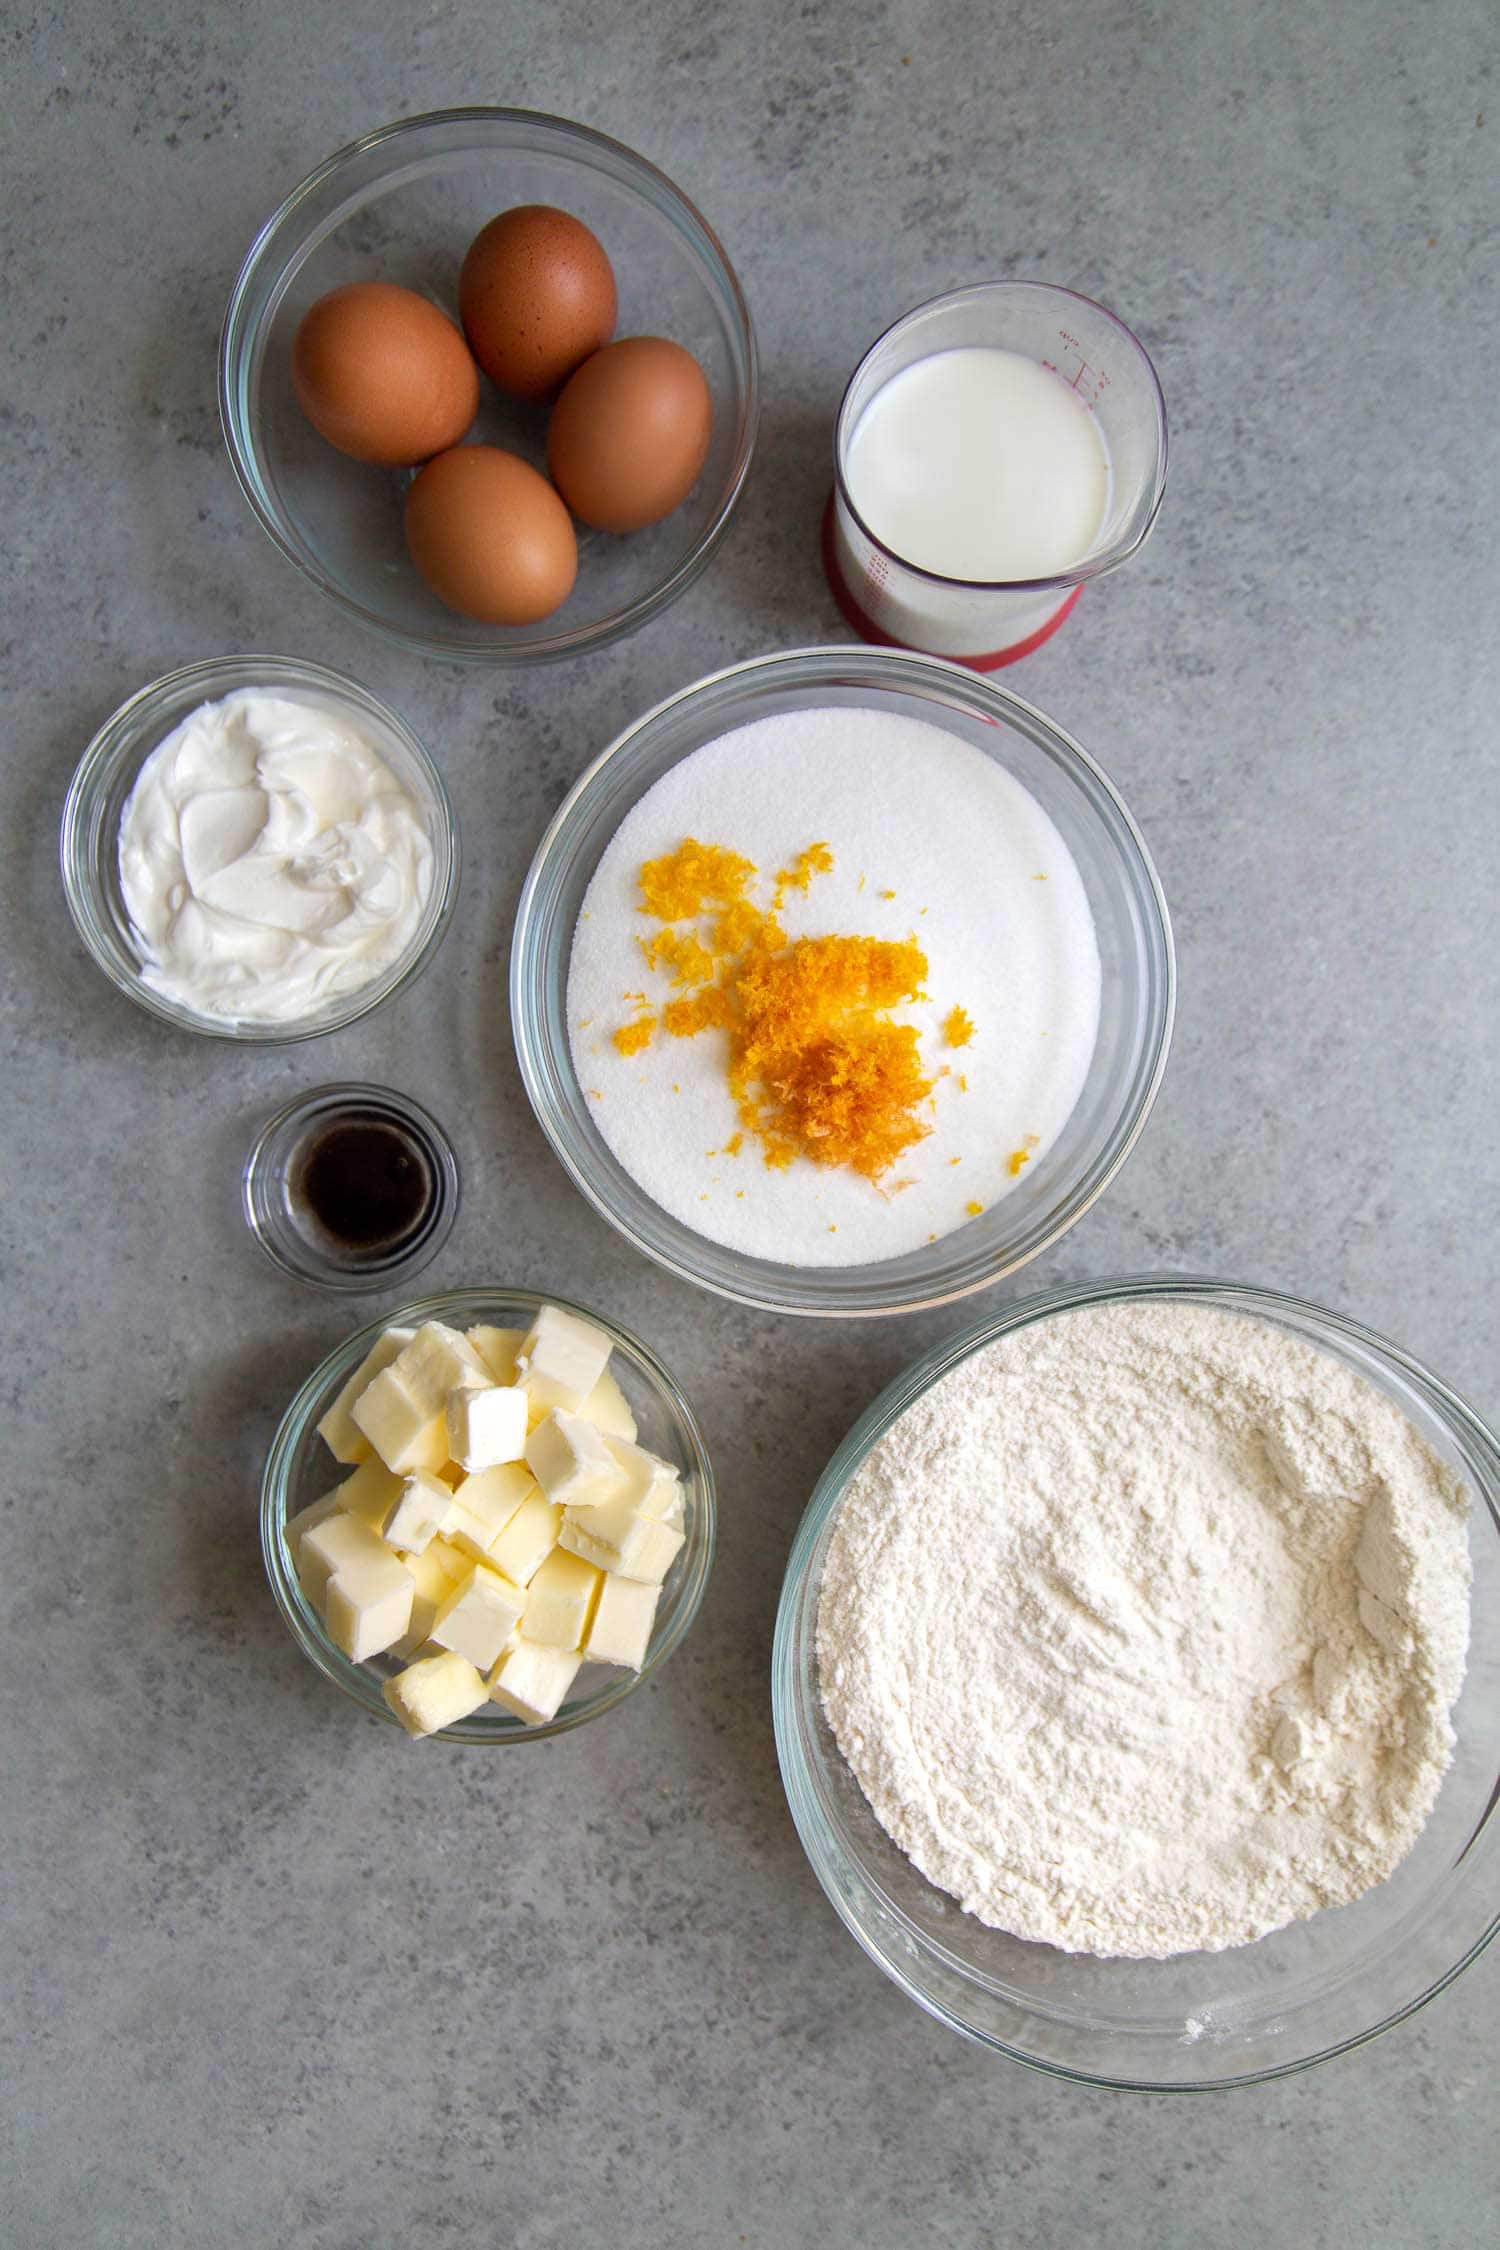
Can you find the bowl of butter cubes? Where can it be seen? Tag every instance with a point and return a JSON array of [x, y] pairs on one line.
[[488, 1517]]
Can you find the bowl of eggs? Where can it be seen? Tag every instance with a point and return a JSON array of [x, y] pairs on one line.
[[488, 379]]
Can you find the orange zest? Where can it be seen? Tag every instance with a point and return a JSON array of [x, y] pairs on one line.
[[817, 1067], [692, 878], [958, 1027], [817, 859], [1021, 1155], [679, 952], [817, 1064]]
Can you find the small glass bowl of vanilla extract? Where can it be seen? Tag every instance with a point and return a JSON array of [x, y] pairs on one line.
[[351, 1187]]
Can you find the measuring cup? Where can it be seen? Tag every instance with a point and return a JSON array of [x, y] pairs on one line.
[[894, 603]]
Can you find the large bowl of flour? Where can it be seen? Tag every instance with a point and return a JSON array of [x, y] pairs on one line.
[[1137, 1683]]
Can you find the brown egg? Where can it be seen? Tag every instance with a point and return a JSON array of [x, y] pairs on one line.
[[536, 296], [630, 433], [490, 536], [384, 375]]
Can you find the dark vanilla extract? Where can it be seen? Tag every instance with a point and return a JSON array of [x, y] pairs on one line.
[[365, 1182]]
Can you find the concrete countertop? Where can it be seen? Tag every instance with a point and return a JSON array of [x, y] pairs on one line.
[[273, 1979]]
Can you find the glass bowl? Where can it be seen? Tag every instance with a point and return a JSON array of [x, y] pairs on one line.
[[402, 204], [107, 773], [1130, 918], [1200, 2020], [300, 1469], [290, 1232]]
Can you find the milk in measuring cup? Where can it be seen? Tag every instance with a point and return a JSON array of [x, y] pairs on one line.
[[980, 464]]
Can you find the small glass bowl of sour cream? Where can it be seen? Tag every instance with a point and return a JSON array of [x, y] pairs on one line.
[[240, 874]]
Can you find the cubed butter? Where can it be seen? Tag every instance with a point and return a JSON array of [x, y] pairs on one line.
[[653, 1550], [333, 1545], [561, 1358], [404, 1433], [527, 1540], [432, 1579], [370, 1493], [620, 1632], [367, 1604], [500, 1521], [486, 1428], [338, 1429], [572, 1461], [423, 1508], [484, 1504], [532, 1681], [438, 1360], [435, 1692], [560, 1601], [477, 1616], [469, 1532], [607, 1408], [499, 1348], [616, 1539], [450, 1559], [307, 1519], [648, 1484]]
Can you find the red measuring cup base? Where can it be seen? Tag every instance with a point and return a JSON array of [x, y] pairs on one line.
[[869, 631]]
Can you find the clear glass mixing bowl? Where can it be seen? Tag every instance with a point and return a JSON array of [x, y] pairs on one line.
[[1201, 2020], [108, 770], [403, 204], [300, 1469], [1130, 919]]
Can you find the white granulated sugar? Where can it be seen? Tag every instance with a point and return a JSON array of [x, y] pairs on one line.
[[1141, 1631], [982, 881]]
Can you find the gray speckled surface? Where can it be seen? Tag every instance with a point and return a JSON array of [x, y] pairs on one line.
[[271, 1979]]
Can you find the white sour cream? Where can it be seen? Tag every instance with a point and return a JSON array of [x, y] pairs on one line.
[[271, 863]]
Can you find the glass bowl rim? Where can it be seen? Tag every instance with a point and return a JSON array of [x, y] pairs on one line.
[[237, 338], [527, 998], [121, 739], [1109, 558], [296, 1425], [913, 1382]]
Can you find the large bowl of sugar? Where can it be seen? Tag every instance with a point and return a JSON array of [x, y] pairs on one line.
[[842, 982]]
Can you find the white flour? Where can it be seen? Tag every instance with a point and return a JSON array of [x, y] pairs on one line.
[[1141, 1631]]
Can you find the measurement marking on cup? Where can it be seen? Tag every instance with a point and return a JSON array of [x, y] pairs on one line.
[[1088, 393]]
